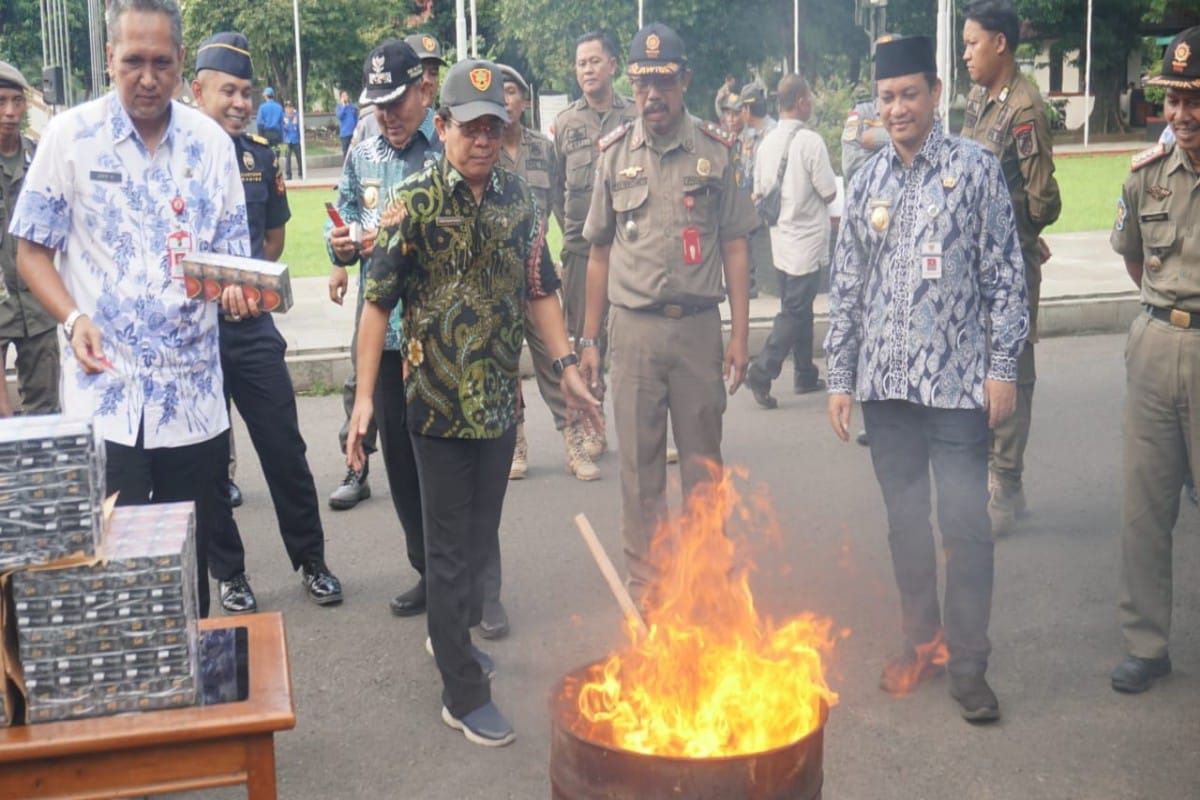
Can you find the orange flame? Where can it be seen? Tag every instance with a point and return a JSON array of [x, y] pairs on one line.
[[900, 676], [710, 676]]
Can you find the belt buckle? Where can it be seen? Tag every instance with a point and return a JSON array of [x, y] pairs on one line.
[[1180, 318], [672, 311]]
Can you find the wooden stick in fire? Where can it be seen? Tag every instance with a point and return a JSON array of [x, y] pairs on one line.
[[609, 571]]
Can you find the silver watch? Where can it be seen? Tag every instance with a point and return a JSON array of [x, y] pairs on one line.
[[585, 343], [69, 322]]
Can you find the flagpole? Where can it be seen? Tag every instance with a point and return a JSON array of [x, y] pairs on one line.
[[300, 90]]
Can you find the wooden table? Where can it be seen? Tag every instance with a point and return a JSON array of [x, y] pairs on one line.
[[159, 752]]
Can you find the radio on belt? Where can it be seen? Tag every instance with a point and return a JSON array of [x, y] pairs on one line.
[[206, 274]]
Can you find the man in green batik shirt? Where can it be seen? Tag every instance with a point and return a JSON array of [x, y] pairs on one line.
[[463, 248]]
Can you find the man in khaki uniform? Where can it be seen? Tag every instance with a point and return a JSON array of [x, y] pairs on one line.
[[1005, 114], [578, 130], [666, 216], [529, 154], [24, 323], [1155, 217]]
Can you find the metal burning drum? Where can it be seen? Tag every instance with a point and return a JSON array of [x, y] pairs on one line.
[[583, 769]]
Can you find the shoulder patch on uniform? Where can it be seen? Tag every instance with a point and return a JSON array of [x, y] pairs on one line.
[[850, 129], [254, 137], [615, 136], [1147, 156], [718, 133], [1026, 139]]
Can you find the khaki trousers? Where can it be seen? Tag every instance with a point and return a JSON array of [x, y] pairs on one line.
[[662, 365], [1162, 436], [548, 382], [37, 371], [1006, 460]]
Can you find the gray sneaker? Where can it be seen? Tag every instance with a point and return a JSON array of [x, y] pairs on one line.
[[353, 490]]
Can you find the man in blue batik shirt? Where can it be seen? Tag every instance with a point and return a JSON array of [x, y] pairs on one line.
[[393, 83], [120, 189], [927, 317]]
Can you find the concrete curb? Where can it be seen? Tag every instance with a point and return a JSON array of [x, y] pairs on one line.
[[324, 370]]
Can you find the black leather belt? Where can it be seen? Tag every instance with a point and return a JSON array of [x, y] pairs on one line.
[[1176, 316], [674, 310]]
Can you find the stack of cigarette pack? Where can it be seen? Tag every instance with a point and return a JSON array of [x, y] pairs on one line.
[[51, 490], [206, 275], [117, 634]]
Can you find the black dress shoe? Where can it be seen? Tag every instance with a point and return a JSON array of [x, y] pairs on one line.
[[760, 387], [862, 439], [323, 586], [494, 624], [975, 698], [1135, 675], [808, 388], [410, 603], [236, 595], [235, 494]]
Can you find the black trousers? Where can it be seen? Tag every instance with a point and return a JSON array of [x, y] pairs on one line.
[[463, 482], [906, 439], [292, 151], [792, 331], [257, 380], [194, 472], [391, 417]]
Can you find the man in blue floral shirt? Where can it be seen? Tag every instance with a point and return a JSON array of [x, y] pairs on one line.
[[927, 317], [120, 189]]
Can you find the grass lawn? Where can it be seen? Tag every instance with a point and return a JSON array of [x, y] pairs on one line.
[[1090, 186], [304, 251]]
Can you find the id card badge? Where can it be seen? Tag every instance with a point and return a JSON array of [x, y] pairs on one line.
[[179, 244], [931, 261], [693, 254]]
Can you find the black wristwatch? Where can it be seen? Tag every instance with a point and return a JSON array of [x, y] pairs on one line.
[[560, 364]]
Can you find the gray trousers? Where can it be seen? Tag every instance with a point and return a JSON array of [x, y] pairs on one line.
[[37, 371]]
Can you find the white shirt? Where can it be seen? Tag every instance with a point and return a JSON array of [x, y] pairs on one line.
[[96, 195], [800, 240]]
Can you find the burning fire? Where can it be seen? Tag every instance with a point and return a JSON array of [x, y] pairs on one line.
[[709, 676]]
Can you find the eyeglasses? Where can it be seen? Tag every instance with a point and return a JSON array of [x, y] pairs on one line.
[[489, 127], [663, 83]]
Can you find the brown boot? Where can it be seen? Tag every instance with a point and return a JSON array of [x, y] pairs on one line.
[[579, 463], [594, 440], [520, 459]]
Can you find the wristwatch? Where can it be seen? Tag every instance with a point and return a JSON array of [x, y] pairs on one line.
[[560, 364], [69, 322], [584, 342]]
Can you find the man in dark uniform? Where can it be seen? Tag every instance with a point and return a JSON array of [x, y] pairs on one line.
[[24, 323], [252, 350], [578, 130], [1006, 115], [1154, 232], [668, 228]]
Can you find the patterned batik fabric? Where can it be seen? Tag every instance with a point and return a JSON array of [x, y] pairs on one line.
[[464, 271], [370, 177], [96, 194], [896, 334]]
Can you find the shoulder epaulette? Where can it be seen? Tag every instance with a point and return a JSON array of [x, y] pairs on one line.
[[616, 135], [254, 137], [714, 131], [1147, 156]]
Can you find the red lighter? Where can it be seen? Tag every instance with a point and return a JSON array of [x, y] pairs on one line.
[[334, 216]]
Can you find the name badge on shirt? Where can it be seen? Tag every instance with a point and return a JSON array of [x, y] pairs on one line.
[[179, 244], [105, 177], [693, 254], [931, 260]]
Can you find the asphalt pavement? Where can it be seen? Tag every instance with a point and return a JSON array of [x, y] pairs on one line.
[[368, 696]]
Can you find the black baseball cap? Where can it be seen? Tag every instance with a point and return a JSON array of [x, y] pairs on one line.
[[474, 89], [426, 47], [390, 69], [656, 50], [227, 52], [1181, 62], [904, 55]]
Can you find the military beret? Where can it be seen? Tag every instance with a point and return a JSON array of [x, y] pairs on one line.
[[510, 75], [11, 75], [227, 52]]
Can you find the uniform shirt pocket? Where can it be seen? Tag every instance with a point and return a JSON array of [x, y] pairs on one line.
[[1159, 236], [629, 202]]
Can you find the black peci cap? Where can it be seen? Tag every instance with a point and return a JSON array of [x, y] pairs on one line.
[[904, 55], [1181, 62], [227, 52], [390, 69], [656, 50]]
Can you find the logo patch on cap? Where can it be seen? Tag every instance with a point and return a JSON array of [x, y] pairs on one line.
[[428, 43], [1183, 54], [481, 78], [653, 46], [378, 76]]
